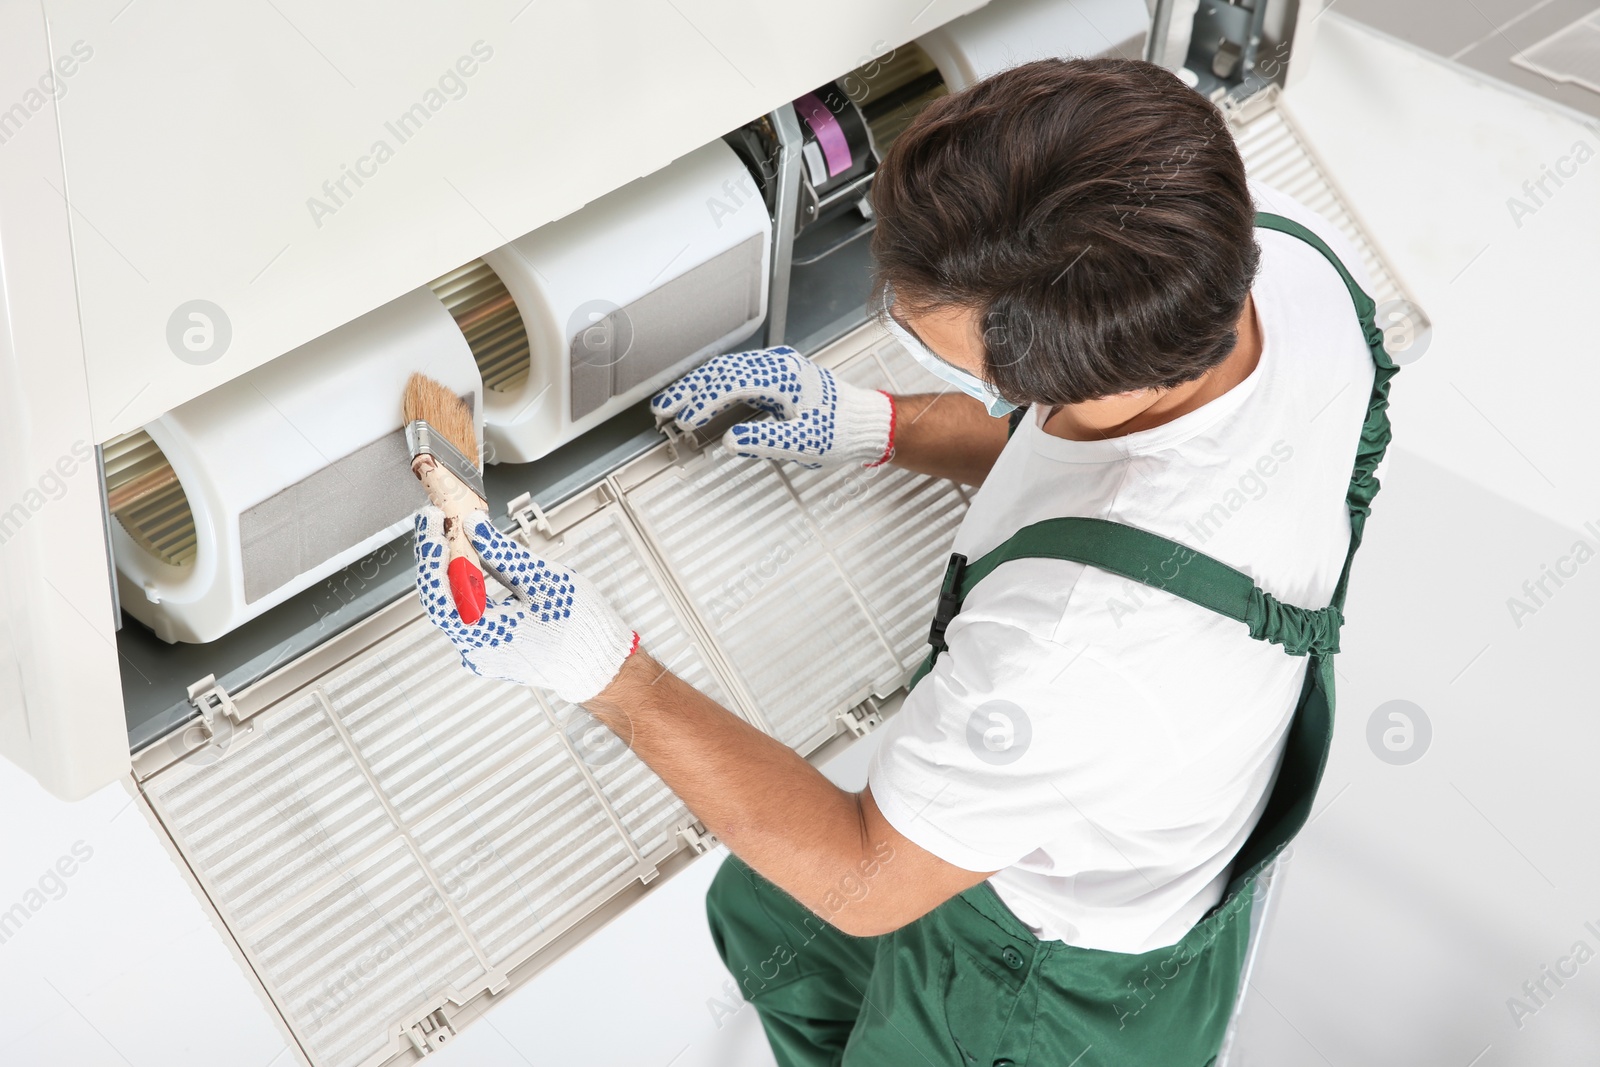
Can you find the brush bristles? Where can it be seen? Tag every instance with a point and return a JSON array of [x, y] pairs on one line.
[[446, 413]]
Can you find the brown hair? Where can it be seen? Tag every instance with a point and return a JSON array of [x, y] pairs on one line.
[[1094, 213]]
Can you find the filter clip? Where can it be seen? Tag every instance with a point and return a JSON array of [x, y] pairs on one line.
[[949, 601]]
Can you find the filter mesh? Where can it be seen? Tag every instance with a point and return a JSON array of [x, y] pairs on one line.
[[505, 799], [871, 516], [865, 370], [376, 943], [477, 773], [811, 582], [356, 496], [603, 551], [750, 561], [708, 304], [924, 517], [313, 879]]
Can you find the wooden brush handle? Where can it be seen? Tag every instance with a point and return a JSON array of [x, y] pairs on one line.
[[465, 571]]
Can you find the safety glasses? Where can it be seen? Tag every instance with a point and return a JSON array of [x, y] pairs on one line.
[[970, 384]]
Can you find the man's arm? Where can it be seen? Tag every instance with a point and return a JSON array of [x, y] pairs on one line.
[[948, 435], [774, 810]]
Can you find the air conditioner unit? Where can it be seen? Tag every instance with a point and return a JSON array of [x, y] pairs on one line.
[[622, 295], [231, 503], [561, 235]]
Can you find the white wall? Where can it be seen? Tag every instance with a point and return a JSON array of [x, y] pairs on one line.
[[115, 963]]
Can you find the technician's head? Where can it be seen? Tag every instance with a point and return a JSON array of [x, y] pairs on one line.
[[1068, 230]]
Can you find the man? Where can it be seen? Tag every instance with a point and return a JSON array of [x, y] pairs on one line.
[[1053, 860]]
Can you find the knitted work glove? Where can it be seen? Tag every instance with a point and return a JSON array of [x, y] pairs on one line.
[[554, 630], [818, 420]]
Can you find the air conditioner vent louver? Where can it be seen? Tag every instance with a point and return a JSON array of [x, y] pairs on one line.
[[489, 318], [143, 492], [893, 90], [1276, 153]]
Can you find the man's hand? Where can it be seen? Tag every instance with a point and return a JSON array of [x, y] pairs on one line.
[[554, 630], [818, 420]]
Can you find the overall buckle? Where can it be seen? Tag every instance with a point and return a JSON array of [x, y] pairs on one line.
[[949, 601]]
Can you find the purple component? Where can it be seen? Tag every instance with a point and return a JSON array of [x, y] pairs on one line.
[[830, 135]]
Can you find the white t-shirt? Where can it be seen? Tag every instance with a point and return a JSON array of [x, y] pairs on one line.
[[1103, 746]]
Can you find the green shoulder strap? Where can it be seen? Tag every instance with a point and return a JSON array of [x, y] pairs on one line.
[[1165, 564], [1151, 560], [1375, 432]]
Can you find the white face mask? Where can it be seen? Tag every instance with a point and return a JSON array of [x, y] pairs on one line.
[[970, 384]]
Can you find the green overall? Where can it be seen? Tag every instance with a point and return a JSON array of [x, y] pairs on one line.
[[968, 983]]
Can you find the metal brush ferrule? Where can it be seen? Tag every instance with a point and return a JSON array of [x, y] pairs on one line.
[[423, 441]]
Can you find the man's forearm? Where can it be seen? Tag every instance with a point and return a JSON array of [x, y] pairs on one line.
[[766, 803], [948, 435]]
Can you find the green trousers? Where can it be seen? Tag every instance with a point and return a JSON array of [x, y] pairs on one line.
[[969, 984]]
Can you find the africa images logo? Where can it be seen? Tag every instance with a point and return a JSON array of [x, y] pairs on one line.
[[999, 732], [1399, 732], [199, 332]]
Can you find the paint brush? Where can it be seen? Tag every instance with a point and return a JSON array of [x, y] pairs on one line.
[[444, 451]]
